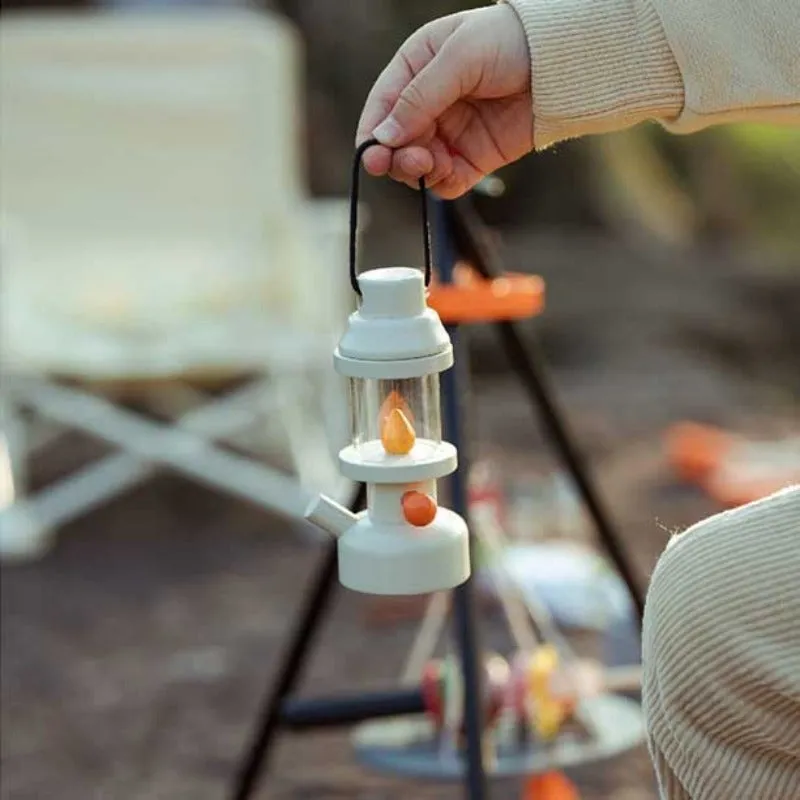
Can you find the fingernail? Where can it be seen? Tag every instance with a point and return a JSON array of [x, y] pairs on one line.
[[389, 132]]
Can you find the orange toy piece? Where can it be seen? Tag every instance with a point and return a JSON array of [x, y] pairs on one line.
[[419, 509], [471, 298], [550, 786], [397, 433], [695, 450], [731, 469], [550, 712], [732, 491]]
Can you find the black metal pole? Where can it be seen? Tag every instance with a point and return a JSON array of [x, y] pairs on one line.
[[526, 360], [455, 388], [290, 670]]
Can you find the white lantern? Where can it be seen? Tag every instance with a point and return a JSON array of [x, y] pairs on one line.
[[392, 353]]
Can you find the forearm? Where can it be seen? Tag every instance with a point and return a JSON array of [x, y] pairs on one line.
[[604, 65]]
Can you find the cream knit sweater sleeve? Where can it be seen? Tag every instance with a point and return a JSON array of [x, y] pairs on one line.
[[721, 656], [602, 65]]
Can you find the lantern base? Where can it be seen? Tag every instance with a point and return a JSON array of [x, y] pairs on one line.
[[396, 559]]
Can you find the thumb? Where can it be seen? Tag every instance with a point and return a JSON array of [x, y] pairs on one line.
[[436, 87]]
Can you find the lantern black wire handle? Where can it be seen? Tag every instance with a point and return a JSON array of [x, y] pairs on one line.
[[354, 185]]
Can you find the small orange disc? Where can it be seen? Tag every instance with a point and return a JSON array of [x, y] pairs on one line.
[[550, 786], [696, 451], [471, 298], [419, 509]]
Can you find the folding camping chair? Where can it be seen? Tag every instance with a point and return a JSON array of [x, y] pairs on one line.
[[155, 230]]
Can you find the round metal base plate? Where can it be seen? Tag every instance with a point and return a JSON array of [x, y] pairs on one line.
[[408, 746]]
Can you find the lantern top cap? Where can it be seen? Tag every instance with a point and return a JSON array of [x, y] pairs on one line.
[[392, 292], [393, 334]]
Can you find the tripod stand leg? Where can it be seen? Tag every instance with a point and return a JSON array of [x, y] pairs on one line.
[[455, 390], [464, 618], [290, 669], [527, 365], [470, 235]]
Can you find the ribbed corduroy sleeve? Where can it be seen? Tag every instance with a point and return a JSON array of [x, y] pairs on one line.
[[721, 653], [597, 65]]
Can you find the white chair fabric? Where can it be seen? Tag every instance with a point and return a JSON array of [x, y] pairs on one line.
[[155, 224]]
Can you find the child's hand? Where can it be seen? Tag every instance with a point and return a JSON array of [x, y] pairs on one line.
[[454, 104]]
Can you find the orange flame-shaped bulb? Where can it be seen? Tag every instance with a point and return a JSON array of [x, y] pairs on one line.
[[394, 400], [397, 433]]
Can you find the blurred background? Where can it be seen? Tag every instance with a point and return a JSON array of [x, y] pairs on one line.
[[173, 183]]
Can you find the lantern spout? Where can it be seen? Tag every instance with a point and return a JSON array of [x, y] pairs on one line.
[[330, 516]]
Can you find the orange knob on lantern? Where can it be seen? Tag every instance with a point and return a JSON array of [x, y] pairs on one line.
[[419, 509]]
